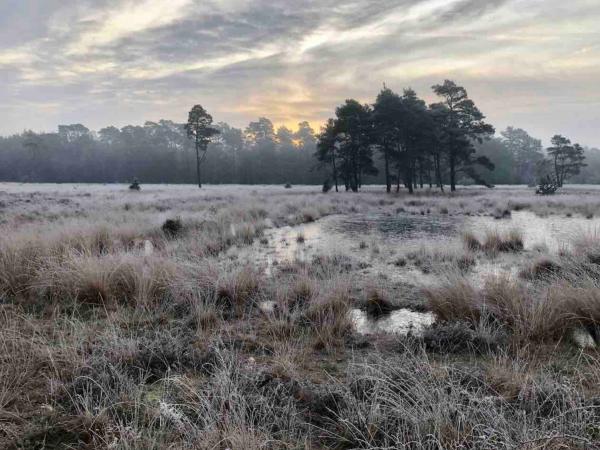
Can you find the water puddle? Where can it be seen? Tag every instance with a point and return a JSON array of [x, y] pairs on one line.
[[401, 321], [553, 232], [396, 227], [376, 241]]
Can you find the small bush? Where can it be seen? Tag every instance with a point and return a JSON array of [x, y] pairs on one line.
[[172, 227], [547, 186], [400, 262], [135, 186]]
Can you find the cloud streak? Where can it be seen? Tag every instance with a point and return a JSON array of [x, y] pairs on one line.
[[528, 63]]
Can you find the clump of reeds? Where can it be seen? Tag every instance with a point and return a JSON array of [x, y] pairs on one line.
[[495, 242], [377, 303], [527, 312], [235, 291], [107, 280], [328, 317]]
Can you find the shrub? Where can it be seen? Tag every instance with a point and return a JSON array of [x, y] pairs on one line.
[[547, 186], [135, 186], [172, 227], [400, 262]]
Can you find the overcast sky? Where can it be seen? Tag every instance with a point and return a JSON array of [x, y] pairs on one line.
[[529, 63]]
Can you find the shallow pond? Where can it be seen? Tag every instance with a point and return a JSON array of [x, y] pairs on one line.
[[376, 241]]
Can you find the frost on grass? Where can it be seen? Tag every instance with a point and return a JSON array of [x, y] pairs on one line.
[[107, 344]]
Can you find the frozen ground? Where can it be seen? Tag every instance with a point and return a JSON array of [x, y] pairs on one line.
[[264, 317]]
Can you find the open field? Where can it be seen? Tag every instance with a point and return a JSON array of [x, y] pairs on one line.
[[258, 317]]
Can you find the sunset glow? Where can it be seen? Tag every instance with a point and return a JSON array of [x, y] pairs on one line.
[[526, 62]]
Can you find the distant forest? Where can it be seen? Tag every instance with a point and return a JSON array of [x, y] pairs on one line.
[[387, 137]]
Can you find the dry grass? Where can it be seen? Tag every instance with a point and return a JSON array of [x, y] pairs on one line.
[[176, 353], [495, 242], [441, 260], [328, 317]]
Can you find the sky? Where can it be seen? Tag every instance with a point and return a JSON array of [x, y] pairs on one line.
[[534, 64]]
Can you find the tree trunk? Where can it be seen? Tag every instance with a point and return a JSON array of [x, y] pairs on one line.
[[438, 173], [198, 166], [452, 172], [335, 174], [388, 181], [409, 179]]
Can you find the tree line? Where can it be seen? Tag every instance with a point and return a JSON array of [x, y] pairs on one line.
[[398, 140], [435, 145], [161, 152]]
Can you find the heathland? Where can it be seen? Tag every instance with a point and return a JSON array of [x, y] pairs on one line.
[[249, 317]]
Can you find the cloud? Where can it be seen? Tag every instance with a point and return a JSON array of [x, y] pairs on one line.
[[125, 61]]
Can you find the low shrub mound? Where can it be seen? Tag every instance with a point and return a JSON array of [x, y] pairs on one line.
[[547, 186], [463, 337], [541, 269], [135, 186], [172, 227]]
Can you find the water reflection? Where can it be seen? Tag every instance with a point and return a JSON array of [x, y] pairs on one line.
[[401, 226], [554, 232], [401, 321], [388, 236]]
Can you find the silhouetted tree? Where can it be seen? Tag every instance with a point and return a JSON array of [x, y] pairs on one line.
[[354, 128], [567, 159], [199, 129], [387, 114], [326, 149], [461, 123]]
